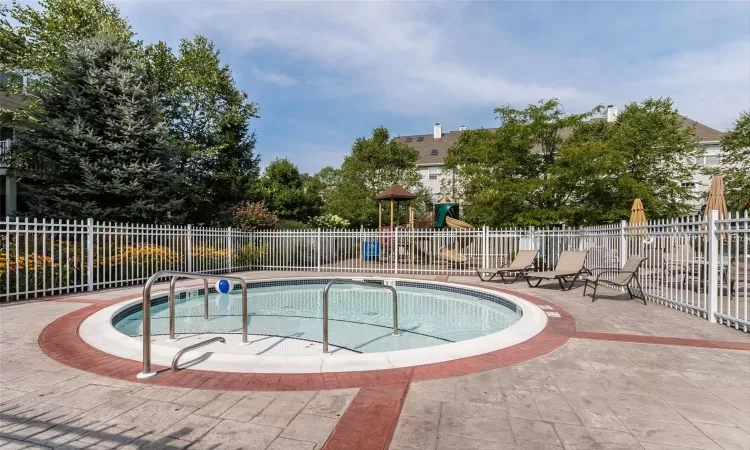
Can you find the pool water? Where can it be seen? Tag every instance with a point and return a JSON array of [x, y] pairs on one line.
[[360, 318]]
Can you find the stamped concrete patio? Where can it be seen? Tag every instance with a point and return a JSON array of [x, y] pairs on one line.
[[631, 377]]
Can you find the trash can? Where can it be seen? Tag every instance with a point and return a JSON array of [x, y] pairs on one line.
[[371, 251]]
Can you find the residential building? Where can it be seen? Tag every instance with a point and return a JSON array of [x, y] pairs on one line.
[[433, 148], [8, 185]]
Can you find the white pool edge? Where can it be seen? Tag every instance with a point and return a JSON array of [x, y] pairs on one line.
[[97, 330]]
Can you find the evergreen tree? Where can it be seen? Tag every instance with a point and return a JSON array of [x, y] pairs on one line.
[[98, 146]]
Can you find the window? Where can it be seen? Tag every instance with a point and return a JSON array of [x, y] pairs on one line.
[[420, 139], [434, 152], [408, 139], [713, 160], [434, 172]]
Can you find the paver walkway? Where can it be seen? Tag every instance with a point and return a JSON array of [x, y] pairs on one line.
[[593, 392]]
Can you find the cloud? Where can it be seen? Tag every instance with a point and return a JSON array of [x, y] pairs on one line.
[[278, 79], [449, 60], [392, 53]]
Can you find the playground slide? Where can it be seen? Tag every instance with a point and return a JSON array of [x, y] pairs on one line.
[[455, 224], [445, 253], [452, 255]]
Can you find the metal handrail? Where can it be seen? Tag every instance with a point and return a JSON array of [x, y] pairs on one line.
[[147, 309], [193, 347], [360, 283], [172, 284]]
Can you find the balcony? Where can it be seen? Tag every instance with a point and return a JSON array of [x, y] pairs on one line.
[[4, 149]]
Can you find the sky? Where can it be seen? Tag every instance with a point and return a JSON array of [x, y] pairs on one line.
[[326, 73]]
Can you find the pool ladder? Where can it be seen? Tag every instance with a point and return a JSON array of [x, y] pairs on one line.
[[359, 283], [147, 372]]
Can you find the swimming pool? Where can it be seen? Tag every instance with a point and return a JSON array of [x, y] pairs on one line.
[[360, 317], [436, 321]]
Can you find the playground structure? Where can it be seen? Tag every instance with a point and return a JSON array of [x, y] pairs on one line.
[[416, 244]]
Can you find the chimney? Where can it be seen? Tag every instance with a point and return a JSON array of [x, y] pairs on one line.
[[611, 113], [438, 131], [462, 128]]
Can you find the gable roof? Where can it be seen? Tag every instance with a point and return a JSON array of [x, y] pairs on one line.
[[428, 143], [704, 132], [425, 147]]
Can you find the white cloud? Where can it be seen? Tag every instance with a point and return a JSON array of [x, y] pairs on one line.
[[394, 53], [278, 79], [426, 59], [711, 86]]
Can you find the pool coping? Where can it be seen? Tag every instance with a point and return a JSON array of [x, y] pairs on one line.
[[61, 341], [97, 331]]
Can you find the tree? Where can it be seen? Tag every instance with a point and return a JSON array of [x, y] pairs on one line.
[[735, 163], [282, 189], [543, 167], [503, 174], [209, 120], [34, 41], [647, 153], [373, 165], [98, 146]]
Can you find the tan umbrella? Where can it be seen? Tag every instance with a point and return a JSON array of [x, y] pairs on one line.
[[638, 217], [716, 197]]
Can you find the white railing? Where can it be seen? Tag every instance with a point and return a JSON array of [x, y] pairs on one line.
[[697, 265], [4, 149]]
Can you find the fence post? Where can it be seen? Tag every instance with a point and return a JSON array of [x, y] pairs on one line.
[[189, 255], [485, 247], [318, 251], [395, 250], [90, 253], [713, 266], [229, 248], [623, 243]]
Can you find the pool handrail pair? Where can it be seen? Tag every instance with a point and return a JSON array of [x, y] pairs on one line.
[[205, 277], [175, 274], [359, 283]]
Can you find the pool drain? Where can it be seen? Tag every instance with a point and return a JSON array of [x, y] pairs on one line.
[[371, 313]]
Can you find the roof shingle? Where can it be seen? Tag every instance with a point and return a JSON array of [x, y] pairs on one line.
[[425, 147]]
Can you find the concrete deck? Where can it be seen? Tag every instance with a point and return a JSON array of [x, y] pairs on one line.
[[594, 392]]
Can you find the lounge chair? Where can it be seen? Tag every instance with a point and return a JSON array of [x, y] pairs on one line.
[[522, 263], [570, 265], [628, 273]]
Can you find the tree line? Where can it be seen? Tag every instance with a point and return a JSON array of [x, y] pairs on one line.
[[125, 131]]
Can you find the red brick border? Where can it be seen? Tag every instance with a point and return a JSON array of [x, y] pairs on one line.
[[726, 345], [61, 342], [370, 421]]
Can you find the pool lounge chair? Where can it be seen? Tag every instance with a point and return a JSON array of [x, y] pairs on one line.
[[522, 263], [628, 273], [570, 265]]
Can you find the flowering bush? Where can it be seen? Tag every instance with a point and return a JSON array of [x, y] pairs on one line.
[[250, 254], [329, 221], [251, 216]]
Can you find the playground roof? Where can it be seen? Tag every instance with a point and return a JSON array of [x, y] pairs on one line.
[[395, 192]]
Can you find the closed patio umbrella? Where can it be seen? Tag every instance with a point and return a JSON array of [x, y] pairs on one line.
[[716, 197], [638, 217]]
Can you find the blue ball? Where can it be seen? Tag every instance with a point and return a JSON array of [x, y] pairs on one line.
[[223, 286]]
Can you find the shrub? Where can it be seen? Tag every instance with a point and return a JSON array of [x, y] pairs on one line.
[[252, 216], [293, 225], [329, 221]]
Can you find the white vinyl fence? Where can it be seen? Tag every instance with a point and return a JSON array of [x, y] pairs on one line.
[[697, 265]]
